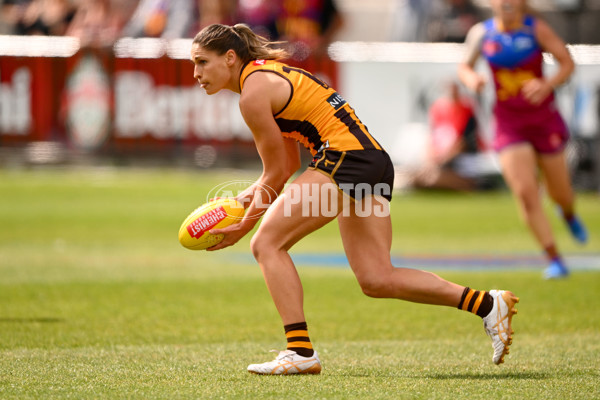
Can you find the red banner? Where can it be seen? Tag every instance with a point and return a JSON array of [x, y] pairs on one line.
[[138, 97]]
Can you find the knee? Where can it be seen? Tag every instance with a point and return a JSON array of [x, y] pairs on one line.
[[258, 246], [528, 198], [263, 245], [376, 287]]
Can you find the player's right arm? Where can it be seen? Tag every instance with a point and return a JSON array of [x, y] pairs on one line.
[[466, 70], [263, 95], [293, 164]]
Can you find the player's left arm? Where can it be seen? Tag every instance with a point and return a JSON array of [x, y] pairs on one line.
[[537, 90]]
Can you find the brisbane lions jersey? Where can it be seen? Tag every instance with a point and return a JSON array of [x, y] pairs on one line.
[[514, 58], [315, 114]]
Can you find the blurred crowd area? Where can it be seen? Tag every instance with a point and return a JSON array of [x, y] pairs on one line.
[[97, 110], [99, 23], [311, 23]]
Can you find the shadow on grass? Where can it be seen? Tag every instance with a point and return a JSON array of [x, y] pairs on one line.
[[30, 320], [482, 376], [536, 375]]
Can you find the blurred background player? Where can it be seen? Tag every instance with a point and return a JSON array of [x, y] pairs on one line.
[[452, 141], [530, 134]]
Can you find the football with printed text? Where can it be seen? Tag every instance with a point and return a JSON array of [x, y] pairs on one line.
[[216, 214]]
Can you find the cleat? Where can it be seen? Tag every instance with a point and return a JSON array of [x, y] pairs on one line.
[[576, 228], [497, 323], [288, 362], [556, 270]]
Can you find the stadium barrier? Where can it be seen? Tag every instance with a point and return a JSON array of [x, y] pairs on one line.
[[139, 100]]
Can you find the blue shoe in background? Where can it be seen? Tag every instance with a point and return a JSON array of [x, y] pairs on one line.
[[556, 270], [576, 227]]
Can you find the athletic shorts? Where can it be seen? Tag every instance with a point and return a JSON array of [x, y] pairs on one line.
[[357, 172], [546, 131]]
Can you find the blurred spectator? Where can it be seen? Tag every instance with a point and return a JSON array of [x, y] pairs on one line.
[[453, 137], [309, 26], [215, 12], [261, 16], [450, 20], [11, 12], [166, 19], [98, 23], [41, 17], [410, 20]]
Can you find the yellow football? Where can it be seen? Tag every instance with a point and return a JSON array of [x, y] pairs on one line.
[[215, 214]]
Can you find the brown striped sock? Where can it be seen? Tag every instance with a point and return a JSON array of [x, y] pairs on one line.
[[477, 302], [298, 340]]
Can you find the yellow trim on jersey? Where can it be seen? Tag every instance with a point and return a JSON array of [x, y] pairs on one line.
[[315, 115]]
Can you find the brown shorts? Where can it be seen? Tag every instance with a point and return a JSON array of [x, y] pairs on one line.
[[357, 173]]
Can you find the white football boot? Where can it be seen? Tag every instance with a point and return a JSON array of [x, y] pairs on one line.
[[497, 323], [288, 362]]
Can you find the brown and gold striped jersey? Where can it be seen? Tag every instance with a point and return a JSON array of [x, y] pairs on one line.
[[315, 114]]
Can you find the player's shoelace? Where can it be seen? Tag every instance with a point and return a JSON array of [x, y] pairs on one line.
[[502, 326]]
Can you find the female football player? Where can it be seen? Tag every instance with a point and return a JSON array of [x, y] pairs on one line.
[[529, 132], [282, 106]]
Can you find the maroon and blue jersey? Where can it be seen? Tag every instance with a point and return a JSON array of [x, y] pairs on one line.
[[514, 58]]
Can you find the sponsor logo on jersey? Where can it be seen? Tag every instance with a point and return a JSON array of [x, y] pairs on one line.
[[490, 47], [259, 62], [523, 43], [336, 101]]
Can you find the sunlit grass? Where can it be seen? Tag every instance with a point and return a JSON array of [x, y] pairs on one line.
[[99, 300]]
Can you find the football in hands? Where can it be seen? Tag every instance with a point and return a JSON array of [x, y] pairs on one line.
[[216, 214]]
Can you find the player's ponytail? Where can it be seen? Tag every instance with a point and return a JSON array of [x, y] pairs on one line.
[[241, 39]]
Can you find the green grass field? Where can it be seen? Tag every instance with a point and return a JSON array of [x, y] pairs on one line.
[[99, 300]]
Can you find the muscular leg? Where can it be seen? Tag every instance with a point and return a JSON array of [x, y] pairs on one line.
[[557, 179], [288, 220], [367, 241], [519, 168]]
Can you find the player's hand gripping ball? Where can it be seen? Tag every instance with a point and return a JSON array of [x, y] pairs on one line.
[[215, 214]]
